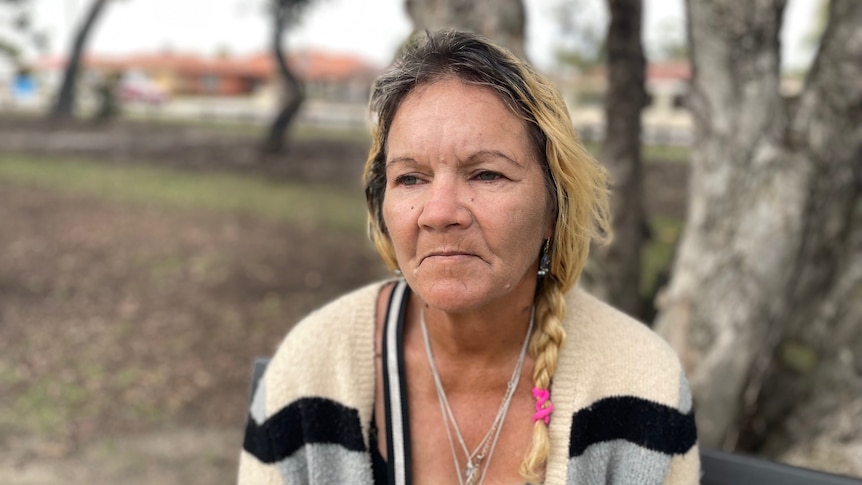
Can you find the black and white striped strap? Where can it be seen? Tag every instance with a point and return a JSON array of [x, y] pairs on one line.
[[395, 387]]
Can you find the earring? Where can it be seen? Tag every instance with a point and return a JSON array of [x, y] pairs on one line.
[[545, 260], [397, 272]]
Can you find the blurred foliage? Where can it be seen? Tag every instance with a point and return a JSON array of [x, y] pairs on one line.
[[657, 253], [581, 41], [18, 32], [292, 10], [671, 44], [798, 356]]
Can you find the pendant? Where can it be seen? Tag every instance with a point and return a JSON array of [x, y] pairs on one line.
[[470, 473]]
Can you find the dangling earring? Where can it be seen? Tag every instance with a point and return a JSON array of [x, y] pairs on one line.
[[545, 260]]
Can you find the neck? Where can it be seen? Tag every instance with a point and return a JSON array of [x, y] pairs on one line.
[[492, 335]]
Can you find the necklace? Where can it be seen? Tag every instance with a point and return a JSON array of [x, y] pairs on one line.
[[479, 460]]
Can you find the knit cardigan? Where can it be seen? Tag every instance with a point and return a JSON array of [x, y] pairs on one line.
[[622, 407]]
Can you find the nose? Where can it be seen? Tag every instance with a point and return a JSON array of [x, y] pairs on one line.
[[443, 206]]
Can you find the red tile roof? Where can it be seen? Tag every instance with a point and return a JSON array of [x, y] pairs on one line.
[[665, 70], [669, 70], [309, 64]]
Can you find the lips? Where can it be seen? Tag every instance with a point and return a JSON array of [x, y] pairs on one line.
[[446, 254]]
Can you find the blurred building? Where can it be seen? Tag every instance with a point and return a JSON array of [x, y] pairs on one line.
[[241, 88], [327, 75], [665, 120]]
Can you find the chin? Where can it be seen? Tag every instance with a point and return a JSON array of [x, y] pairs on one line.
[[453, 296]]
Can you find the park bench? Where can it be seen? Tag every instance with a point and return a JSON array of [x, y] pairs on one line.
[[719, 467]]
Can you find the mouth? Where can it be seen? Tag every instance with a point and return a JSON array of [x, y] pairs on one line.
[[447, 254]]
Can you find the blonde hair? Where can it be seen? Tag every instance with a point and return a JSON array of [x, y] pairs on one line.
[[576, 183]]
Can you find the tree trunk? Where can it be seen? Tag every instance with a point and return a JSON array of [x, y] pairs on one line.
[[767, 276], [614, 271], [502, 21], [64, 108], [293, 90], [809, 408]]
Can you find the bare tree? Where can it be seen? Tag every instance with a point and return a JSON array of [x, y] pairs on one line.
[[17, 31], [284, 14], [765, 299], [614, 270], [580, 40], [64, 108], [499, 20]]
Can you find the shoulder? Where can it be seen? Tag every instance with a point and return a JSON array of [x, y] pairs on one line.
[[597, 322], [339, 315], [318, 389], [621, 401], [619, 355], [329, 353]]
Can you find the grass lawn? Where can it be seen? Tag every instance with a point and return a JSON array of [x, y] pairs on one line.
[[321, 205]]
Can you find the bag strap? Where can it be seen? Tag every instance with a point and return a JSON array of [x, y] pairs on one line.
[[395, 387]]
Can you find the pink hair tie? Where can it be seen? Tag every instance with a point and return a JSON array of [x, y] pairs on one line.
[[542, 413]]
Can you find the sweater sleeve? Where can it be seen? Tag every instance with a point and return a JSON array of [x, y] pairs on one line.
[[254, 472], [685, 467], [623, 410], [311, 439], [311, 412], [254, 467]]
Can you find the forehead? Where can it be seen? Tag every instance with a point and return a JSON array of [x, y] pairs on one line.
[[453, 111], [466, 96]]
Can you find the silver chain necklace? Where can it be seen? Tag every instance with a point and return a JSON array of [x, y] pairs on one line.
[[479, 460]]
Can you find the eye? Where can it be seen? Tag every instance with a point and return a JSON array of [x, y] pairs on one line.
[[406, 180], [486, 176]]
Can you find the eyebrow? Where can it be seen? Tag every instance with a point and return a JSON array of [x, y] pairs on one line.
[[404, 159], [473, 158], [495, 154]]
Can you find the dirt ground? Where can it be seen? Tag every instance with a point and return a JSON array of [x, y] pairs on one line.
[[128, 331]]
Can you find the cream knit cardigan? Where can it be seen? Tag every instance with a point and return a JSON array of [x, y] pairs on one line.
[[622, 407]]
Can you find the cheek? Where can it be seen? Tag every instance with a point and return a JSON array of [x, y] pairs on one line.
[[397, 220], [531, 226], [388, 220]]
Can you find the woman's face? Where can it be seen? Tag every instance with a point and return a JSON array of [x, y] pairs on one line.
[[465, 203]]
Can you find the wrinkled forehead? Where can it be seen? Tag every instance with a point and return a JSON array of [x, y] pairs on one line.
[[536, 136]]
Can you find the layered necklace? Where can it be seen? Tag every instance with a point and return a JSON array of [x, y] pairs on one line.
[[477, 462]]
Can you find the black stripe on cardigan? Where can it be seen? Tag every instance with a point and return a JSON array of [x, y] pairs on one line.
[[311, 420], [646, 423]]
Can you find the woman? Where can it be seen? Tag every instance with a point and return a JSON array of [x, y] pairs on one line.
[[483, 362]]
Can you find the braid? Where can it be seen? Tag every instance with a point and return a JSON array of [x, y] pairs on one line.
[[544, 348]]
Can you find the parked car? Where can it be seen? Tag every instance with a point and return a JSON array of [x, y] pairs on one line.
[[138, 90]]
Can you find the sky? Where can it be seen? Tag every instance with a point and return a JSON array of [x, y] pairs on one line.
[[369, 28]]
